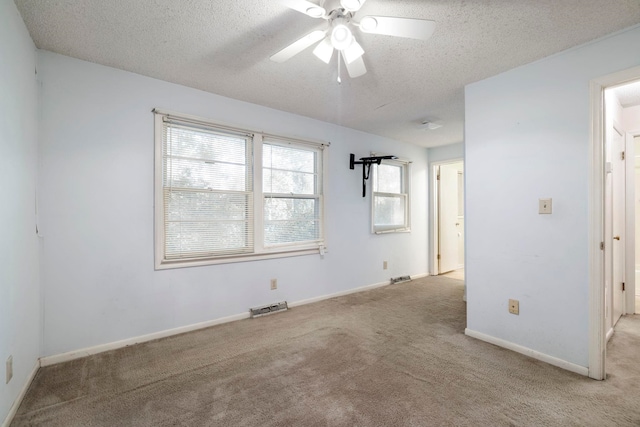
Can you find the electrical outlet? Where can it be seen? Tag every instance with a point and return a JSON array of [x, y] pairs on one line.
[[274, 284], [9, 369], [514, 306], [384, 265]]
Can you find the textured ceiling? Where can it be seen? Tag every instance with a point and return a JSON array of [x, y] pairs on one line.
[[223, 47]]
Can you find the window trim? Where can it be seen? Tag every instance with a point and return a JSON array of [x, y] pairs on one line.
[[406, 194], [260, 252]]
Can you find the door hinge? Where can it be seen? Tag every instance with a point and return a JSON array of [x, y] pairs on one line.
[[623, 286], [438, 177], [622, 156], [438, 256], [602, 246]]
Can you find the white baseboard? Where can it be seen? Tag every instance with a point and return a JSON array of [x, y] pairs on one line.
[[582, 370], [338, 294], [77, 354], [609, 334], [16, 403], [349, 291]]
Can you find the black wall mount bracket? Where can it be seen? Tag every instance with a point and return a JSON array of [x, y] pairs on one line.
[[366, 163]]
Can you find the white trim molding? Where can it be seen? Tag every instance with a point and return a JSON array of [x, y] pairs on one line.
[[560, 363], [77, 354], [16, 403]]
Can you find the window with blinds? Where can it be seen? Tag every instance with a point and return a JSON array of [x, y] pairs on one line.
[[390, 201], [212, 206], [207, 191], [292, 193]]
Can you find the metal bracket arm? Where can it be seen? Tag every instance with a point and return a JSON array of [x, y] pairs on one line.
[[366, 163]]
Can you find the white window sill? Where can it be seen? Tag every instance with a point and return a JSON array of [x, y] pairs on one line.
[[199, 262]]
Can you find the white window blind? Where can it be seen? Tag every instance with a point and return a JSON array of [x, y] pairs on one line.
[[224, 194], [207, 189], [292, 188], [390, 201]]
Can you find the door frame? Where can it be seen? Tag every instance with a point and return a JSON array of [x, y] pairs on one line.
[[630, 226], [597, 333], [434, 224]]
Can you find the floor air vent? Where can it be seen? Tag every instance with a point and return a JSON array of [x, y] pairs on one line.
[[268, 309], [400, 279]]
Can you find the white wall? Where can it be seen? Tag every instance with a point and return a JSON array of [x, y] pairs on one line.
[[527, 137], [631, 119], [20, 321], [97, 212], [446, 152]]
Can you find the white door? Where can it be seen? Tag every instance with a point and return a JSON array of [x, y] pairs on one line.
[[449, 219], [618, 224]]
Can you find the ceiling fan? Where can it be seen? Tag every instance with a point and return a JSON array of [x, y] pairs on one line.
[[339, 35]]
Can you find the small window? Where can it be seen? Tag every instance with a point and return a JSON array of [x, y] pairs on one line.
[[390, 199], [213, 206]]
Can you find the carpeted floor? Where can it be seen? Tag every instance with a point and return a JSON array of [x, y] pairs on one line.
[[394, 356]]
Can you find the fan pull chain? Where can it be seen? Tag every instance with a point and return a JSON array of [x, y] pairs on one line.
[[339, 58]]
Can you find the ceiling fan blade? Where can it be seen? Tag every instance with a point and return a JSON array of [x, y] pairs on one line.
[[420, 29], [355, 68], [324, 50], [298, 46], [353, 52], [306, 7]]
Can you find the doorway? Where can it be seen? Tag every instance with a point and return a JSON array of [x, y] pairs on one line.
[[622, 199], [448, 244], [615, 230], [615, 107]]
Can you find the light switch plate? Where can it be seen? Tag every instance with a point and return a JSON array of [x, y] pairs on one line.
[[544, 206]]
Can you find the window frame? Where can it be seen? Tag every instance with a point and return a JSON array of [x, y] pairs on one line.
[[405, 185], [319, 185], [260, 250]]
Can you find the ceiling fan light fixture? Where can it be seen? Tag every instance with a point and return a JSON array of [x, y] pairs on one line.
[[353, 52], [352, 5], [368, 23], [341, 37], [315, 12], [324, 50]]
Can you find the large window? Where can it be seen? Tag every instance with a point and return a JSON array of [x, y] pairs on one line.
[[390, 198], [214, 203]]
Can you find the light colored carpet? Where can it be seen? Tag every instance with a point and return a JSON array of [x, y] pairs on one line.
[[394, 356], [455, 274]]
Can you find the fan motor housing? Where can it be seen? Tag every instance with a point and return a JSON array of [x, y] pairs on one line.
[[330, 4]]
